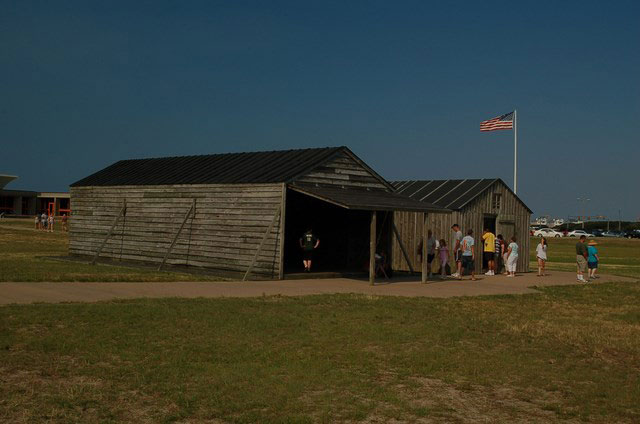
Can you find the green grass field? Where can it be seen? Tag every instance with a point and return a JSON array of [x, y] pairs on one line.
[[618, 256], [25, 252], [568, 353]]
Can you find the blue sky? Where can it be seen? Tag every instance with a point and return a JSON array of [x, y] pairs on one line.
[[403, 84]]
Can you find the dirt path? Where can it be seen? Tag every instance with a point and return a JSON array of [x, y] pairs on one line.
[[93, 292]]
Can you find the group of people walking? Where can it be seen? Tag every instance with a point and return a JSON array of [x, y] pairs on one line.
[[46, 222], [496, 252]]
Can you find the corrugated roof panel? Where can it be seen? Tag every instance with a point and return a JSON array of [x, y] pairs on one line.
[[427, 187], [451, 194], [460, 190], [440, 191], [472, 194], [255, 167]]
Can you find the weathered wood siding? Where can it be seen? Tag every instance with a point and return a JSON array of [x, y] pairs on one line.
[[342, 171], [512, 218], [230, 221]]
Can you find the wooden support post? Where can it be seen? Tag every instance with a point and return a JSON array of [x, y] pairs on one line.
[[283, 211], [372, 249], [175, 238], [264, 239], [123, 211], [404, 251], [424, 248]]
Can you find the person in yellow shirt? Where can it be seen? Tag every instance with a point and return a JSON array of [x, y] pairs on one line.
[[489, 250]]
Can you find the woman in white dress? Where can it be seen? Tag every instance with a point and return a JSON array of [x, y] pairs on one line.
[[541, 254], [512, 260]]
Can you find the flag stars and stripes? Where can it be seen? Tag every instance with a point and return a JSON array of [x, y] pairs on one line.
[[504, 122]]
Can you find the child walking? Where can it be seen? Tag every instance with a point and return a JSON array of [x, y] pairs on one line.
[[444, 257]]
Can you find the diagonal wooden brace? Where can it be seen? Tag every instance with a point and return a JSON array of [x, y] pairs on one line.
[[175, 238], [122, 212], [264, 239]]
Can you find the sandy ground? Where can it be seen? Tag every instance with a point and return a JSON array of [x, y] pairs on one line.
[[93, 292]]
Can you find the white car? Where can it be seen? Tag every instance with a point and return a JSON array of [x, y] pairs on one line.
[[547, 232], [578, 233]]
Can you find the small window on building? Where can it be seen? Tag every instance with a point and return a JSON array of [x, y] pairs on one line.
[[497, 200]]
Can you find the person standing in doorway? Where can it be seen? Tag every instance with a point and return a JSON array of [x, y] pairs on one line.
[[582, 254], [512, 260], [489, 252], [308, 243], [468, 255], [541, 255], [457, 253], [593, 260]]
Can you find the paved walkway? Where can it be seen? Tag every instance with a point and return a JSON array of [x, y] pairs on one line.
[[93, 292]]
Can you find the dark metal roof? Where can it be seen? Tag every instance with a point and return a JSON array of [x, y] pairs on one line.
[[450, 194], [358, 199], [229, 168]]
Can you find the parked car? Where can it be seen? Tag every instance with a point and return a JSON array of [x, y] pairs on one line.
[[632, 234], [597, 233], [579, 233], [613, 233], [547, 232]]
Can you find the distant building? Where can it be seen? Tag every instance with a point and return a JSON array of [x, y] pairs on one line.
[[25, 202]]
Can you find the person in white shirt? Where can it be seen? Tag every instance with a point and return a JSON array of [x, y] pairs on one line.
[[512, 260], [541, 254]]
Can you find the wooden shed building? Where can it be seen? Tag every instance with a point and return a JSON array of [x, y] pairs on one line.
[[238, 212], [475, 204]]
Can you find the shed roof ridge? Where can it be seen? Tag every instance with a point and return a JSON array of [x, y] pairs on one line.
[[203, 155]]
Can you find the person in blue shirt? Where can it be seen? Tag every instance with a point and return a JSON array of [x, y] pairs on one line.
[[592, 261], [468, 255]]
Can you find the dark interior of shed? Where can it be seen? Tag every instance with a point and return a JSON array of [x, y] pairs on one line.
[[343, 234]]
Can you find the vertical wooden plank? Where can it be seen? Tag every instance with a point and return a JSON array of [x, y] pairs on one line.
[[283, 211], [372, 249], [424, 248], [404, 252]]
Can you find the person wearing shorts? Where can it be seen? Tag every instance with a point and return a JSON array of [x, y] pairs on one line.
[[308, 243], [592, 262], [489, 252], [582, 253], [468, 255], [457, 253]]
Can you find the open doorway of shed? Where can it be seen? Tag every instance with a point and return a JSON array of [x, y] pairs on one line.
[[489, 223], [343, 234]]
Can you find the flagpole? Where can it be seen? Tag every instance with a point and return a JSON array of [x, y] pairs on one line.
[[515, 153]]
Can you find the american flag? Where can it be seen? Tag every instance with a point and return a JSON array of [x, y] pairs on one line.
[[504, 122]]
